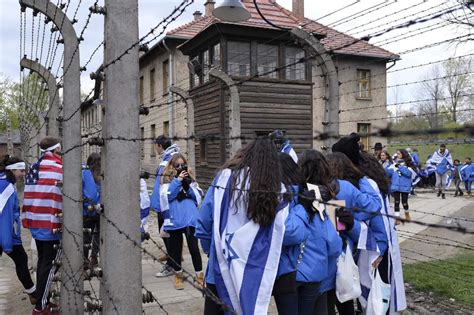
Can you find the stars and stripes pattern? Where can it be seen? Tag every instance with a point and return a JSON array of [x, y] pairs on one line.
[[43, 197]]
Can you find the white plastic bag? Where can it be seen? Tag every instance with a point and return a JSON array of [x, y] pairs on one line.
[[378, 301], [347, 278]]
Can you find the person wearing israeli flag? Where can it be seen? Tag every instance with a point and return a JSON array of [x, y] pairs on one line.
[[180, 197], [401, 174], [282, 144], [351, 182], [443, 161], [390, 267], [12, 169], [467, 174], [242, 227]]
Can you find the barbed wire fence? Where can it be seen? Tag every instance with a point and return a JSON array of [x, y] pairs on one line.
[[94, 303]]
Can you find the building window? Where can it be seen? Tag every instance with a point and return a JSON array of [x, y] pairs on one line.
[[203, 151], [363, 83], [216, 55], [295, 70], [153, 136], [205, 66], [195, 64], [238, 63], [152, 85], [166, 75], [364, 129], [142, 147], [141, 90], [166, 128], [267, 61]]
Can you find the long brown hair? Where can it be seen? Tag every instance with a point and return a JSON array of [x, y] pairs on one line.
[[170, 172], [93, 163], [342, 168]]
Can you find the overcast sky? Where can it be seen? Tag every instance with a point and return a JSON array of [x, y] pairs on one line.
[[153, 11]]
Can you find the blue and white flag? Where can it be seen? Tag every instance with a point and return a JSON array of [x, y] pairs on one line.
[[247, 255], [289, 150], [144, 206]]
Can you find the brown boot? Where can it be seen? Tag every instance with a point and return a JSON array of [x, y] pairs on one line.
[[33, 300], [178, 281], [200, 279], [397, 222], [407, 216]]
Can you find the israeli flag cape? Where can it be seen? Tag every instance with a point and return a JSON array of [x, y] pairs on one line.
[[247, 255], [289, 150], [144, 206], [369, 252]]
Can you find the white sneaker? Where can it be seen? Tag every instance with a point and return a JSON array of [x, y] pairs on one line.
[[165, 272]]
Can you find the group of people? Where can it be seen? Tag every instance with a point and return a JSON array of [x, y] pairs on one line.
[[265, 225]]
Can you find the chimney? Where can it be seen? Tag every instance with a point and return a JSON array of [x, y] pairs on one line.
[[298, 8], [197, 15], [209, 7]]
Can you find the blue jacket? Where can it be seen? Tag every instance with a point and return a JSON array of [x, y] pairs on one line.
[[415, 158], [90, 192], [10, 220], [296, 233], [401, 179], [155, 195], [182, 213], [377, 227], [466, 172]]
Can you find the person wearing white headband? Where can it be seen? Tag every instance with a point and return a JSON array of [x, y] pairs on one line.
[[12, 169]]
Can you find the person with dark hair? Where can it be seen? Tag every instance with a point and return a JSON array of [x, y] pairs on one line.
[[12, 169], [292, 295], [457, 178], [42, 208], [164, 147], [357, 194], [319, 256], [180, 197], [282, 144], [349, 146], [443, 161], [401, 175], [91, 183], [241, 228], [385, 234], [378, 147]]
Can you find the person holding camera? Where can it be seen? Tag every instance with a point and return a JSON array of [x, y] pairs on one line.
[[180, 197], [401, 173]]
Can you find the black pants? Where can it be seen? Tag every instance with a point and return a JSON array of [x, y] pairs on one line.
[[92, 223], [20, 258], [404, 197], [346, 308], [161, 220], [45, 270], [210, 307], [175, 245]]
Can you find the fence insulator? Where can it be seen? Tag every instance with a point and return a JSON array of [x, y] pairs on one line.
[[35, 12], [59, 85], [47, 20], [23, 8], [83, 69], [87, 293], [59, 215], [144, 48], [99, 75], [144, 111], [60, 41], [96, 141], [93, 306], [97, 9], [74, 21], [96, 207], [56, 263], [147, 297], [62, 6], [145, 175], [54, 28], [57, 278], [54, 294], [88, 246], [80, 38]]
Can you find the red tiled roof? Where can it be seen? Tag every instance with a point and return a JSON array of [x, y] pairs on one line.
[[285, 18]]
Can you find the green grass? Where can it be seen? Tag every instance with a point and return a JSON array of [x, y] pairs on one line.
[[458, 151], [445, 277]]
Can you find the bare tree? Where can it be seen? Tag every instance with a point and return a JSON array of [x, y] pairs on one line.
[[463, 19], [431, 90], [457, 82]]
